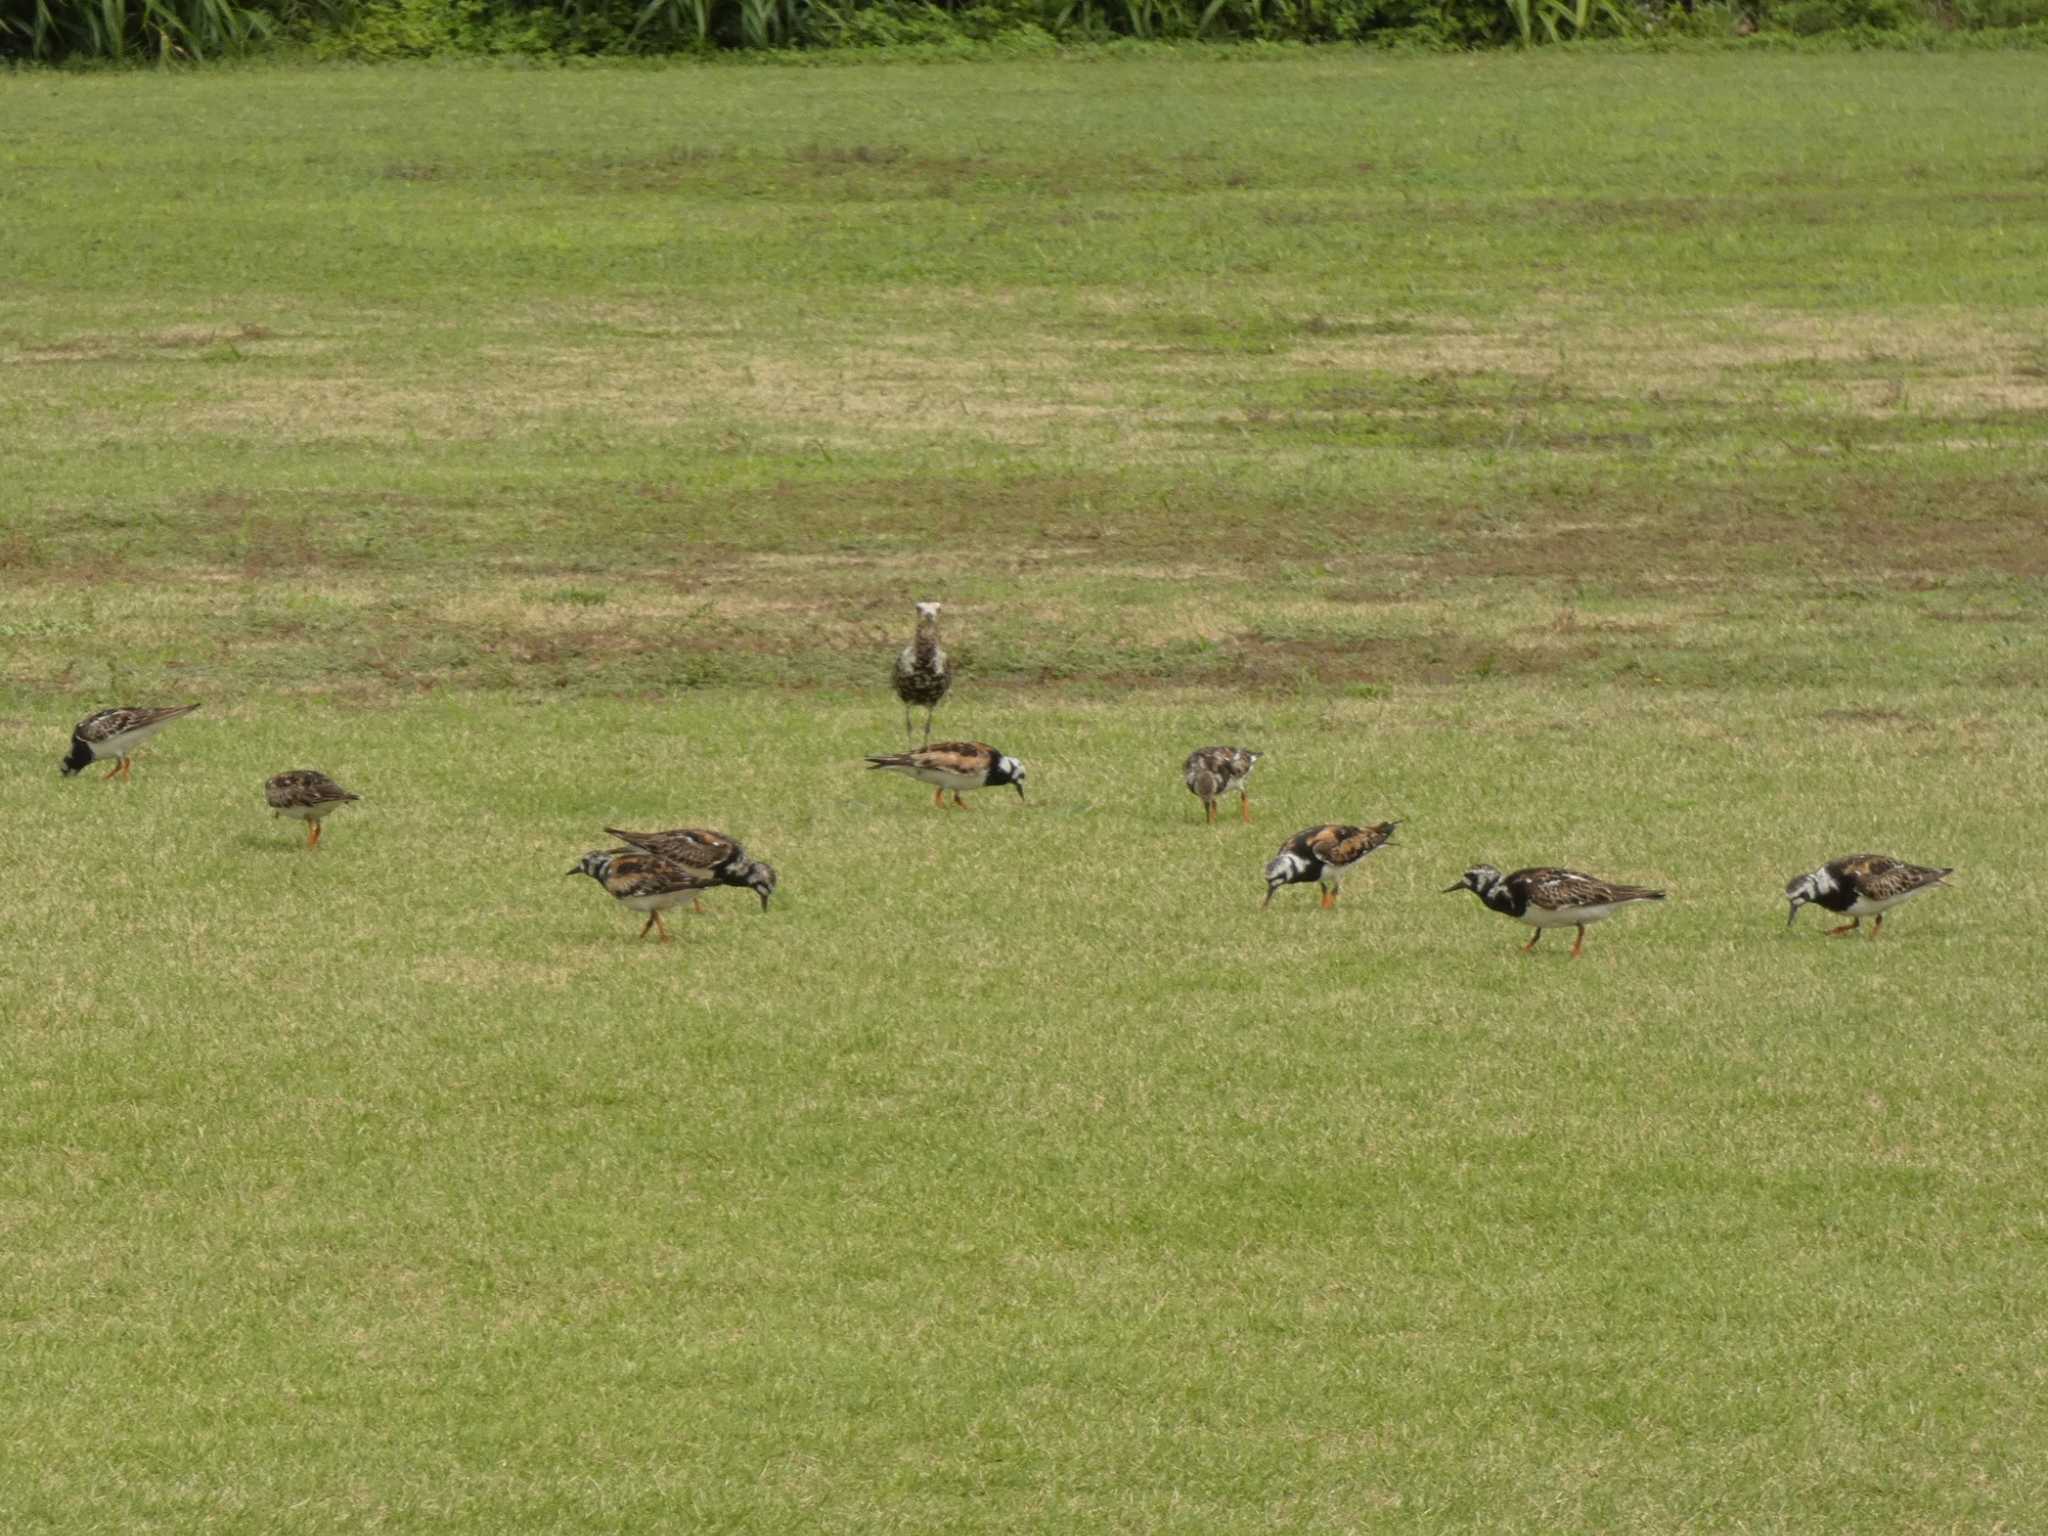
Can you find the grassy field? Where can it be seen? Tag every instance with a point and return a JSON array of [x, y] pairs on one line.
[[1634, 462]]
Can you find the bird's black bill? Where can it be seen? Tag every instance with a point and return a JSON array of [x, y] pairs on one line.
[[1451, 890], [1792, 916], [1020, 792]]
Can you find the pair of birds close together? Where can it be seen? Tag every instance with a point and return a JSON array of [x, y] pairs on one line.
[[1859, 886], [304, 794]]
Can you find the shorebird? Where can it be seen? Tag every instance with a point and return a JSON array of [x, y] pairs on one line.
[[955, 765], [1213, 772], [1325, 855], [1862, 885], [708, 852], [1551, 898], [116, 733], [922, 674], [308, 795], [643, 882]]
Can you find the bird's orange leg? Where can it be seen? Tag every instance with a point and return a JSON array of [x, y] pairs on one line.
[[1211, 805], [312, 834], [1877, 925], [660, 927], [1244, 808], [1327, 901], [939, 797], [696, 906], [1848, 927], [962, 804], [1532, 942], [1579, 944], [647, 925], [115, 771]]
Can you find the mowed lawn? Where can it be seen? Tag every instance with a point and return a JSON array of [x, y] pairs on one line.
[[1630, 462]]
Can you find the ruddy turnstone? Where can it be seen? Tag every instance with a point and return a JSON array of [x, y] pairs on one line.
[[708, 852], [116, 733], [955, 765], [1862, 885], [1551, 898], [308, 795], [1325, 855], [644, 882], [1213, 772], [922, 674]]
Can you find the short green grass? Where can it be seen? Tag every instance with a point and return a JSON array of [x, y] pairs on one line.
[[1634, 462]]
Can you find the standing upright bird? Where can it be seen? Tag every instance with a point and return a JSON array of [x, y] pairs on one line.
[[116, 733], [1550, 898], [708, 852], [922, 673], [1325, 855], [308, 795], [1213, 772], [1861, 885]]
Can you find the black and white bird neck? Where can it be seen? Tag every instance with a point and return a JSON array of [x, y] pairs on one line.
[[922, 674], [710, 852], [1210, 773], [1861, 885], [1547, 897], [1325, 854], [115, 734], [308, 795], [643, 882], [955, 765]]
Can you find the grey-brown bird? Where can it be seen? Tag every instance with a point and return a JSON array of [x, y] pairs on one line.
[[308, 795], [922, 674], [1213, 772]]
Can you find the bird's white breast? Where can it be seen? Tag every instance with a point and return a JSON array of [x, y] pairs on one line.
[[1565, 917]]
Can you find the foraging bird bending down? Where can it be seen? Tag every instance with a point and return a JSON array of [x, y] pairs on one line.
[[1213, 772], [644, 882], [1859, 886], [707, 852], [955, 765], [1325, 855], [922, 673], [308, 795], [1550, 898], [116, 733]]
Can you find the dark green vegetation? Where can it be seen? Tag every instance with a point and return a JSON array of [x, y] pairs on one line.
[[170, 30], [1633, 462]]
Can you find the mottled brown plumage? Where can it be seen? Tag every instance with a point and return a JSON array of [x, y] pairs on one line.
[[1213, 772], [1548, 897], [922, 674], [1862, 885], [1324, 854], [955, 765], [713, 853], [116, 733], [644, 882], [308, 795]]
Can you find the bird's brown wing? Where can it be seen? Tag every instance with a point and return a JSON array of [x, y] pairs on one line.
[[303, 788], [1557, 889]]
